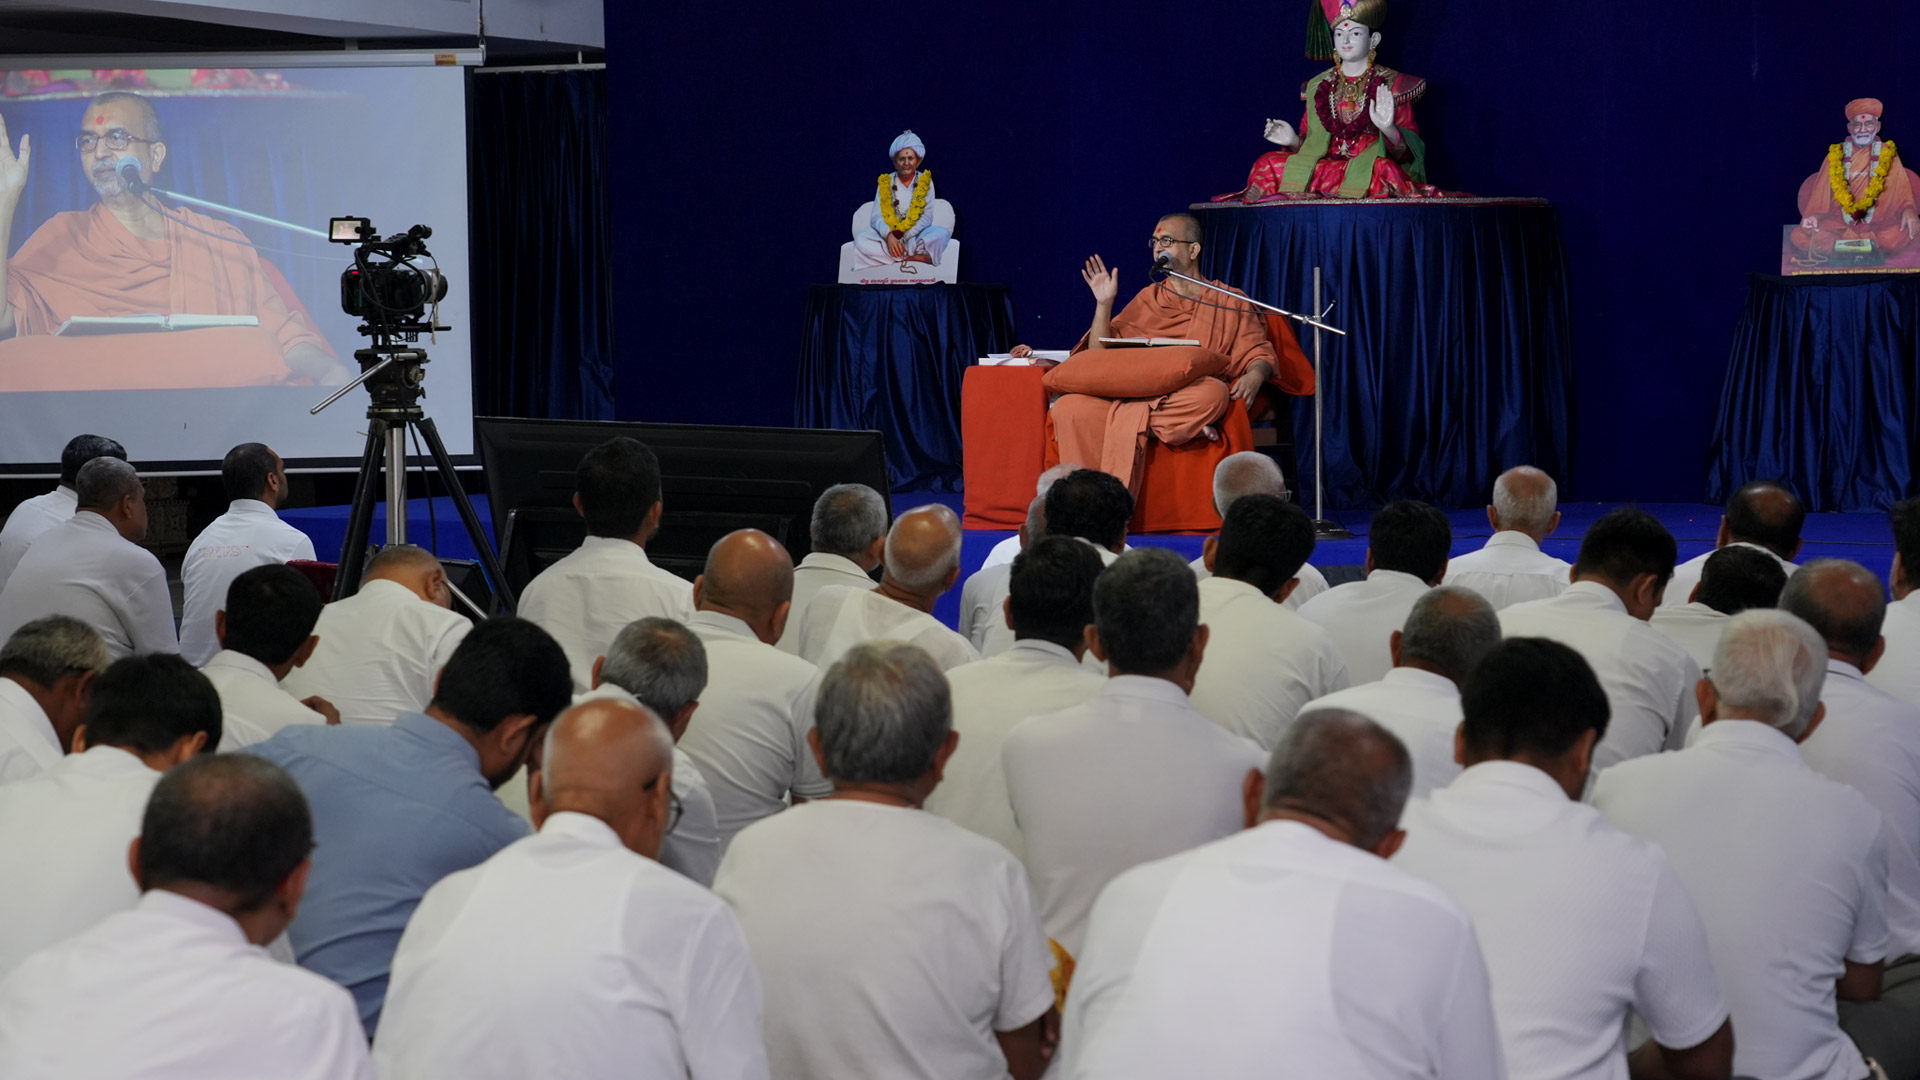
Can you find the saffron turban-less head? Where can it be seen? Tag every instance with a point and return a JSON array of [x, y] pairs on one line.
[[1324, 15], [1866, 106], [908, 139]]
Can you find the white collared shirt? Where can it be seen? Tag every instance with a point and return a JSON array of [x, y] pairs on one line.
[[1694, 627], [1789, 871], [172, 990], [1262, 662], [1898, 672], [252, 705], [1003, 552], [63, 848], [693, 847], [1361, 615], [1421, 708], [1278, 952], [28, 744], [249, 534], [749, 735], [1579, 922], [29, 520], [380, 653], [990, 698], [587, 598], [566, 954], [1870, 741], [1649, 680], [1312, 582], [1686, 576], [840, 618], [1132, 775], [819, 570], [86, 569], [1510, 569], [983, 608], [891, 942]]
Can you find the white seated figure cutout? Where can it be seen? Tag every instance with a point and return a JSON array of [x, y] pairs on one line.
[[905, 234]]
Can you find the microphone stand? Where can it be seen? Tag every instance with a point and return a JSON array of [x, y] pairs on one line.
[[139, 187], [1305, 320]]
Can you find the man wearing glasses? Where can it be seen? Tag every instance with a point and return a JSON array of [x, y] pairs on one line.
[[132, 255]]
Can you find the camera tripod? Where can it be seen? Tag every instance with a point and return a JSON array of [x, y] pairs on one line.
[[394, 375]]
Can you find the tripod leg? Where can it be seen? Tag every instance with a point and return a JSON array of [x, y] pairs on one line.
[[503, 595], [353, 551]]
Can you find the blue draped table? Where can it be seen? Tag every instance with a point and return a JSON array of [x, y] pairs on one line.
[[1821, 390], [890, 358], [1459, 357]]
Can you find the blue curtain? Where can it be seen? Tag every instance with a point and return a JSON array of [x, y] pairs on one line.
[[542, 247]]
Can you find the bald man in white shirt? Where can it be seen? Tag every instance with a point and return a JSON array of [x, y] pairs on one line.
[[1511, 568], [922, 563], [1087, 504], [64, 833], [849, 537], [1407, 546], [93, 568], [249, 534], [382, 649], [1579, 922], [265, 629], [179, 987], [1251, 472], [47, 670], [1898, 672], [1448, 631], [1788, 868], [587, 597], [1734, 579], [1263, 661], [1291, 947], [1764, 515], [43, 512], [572, 952], [1625, 561]]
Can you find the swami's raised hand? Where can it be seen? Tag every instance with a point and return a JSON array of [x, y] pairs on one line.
[[1104, 283], [13, 167]]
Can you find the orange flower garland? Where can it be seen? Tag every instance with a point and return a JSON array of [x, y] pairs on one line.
[[884, 200], [1843, 189]]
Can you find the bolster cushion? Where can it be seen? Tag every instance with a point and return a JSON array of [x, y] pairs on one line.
[[1134, 372]]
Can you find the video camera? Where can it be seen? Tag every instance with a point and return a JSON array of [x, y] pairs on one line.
[[384, 286]]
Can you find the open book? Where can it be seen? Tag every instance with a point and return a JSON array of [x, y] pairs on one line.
[[1134, 342], [84, 325]]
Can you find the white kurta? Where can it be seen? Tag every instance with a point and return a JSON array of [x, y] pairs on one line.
[[1694, 627], [1510, 569], [1262, 662], [1362, 615], [983, 607], [1312, 581], [1578, 921], [1898, 672], [172, 990], [1686, 576], [380, 653], [924, 238], [28, 744], [1421, 708], [891, 942], [840, 618], [693, 847], [86, 569], [249, 534], [990, 698], [29, 520], [568, 955], [819, 570], [252, 705], [1801, 892], [1278, 952], [63, 849], [587, 598]]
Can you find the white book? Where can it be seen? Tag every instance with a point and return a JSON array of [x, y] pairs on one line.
[[88, 325]]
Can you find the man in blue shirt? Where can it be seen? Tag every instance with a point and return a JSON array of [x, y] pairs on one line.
[[396, 808]]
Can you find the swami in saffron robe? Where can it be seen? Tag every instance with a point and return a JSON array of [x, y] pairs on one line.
[[1882, 224]]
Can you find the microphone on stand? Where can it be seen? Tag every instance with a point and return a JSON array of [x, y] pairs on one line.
[[129, 169]]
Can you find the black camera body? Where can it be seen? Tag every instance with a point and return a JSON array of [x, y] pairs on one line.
[[384, 286]]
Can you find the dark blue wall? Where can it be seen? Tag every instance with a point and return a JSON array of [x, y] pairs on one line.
[[1673, 138]]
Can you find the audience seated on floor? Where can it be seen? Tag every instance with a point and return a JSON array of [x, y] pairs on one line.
[[1763, 515], [849, 537], [1086, 504], [42, 512], [1511, 568], [1734, 579], [922, 562], [47, 669], [249, 534], [1251, 472], [1407, 547], [265, 630]]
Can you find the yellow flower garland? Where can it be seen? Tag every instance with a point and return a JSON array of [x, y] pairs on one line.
[[1843, 192], [894, 221]]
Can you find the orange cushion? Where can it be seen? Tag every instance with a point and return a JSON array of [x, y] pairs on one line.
[[1136, 372]]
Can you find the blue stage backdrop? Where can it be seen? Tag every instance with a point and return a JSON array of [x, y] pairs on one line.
[[1672, 138]]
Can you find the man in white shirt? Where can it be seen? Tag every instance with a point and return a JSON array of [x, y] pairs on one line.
[[983, 620], [849, 537], [1251, 472], [1003, 552], [1511, 568], [1087, 504], [249, 534], [1898, 672], [572, 952], [47, 670], [1579, 922], [64, 833], [1625, 560], [750, 736], [381, 650], [1406, 555], [1734, 579], [1763, 515], [179, 988], [265, 629], [1788, 868], [891, 942], [922, 563], [1263, 661], [1448, 631], [1137, 773], [1050, 605], [587, 597], [1292, 948], [93, 568], [43, 512]]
